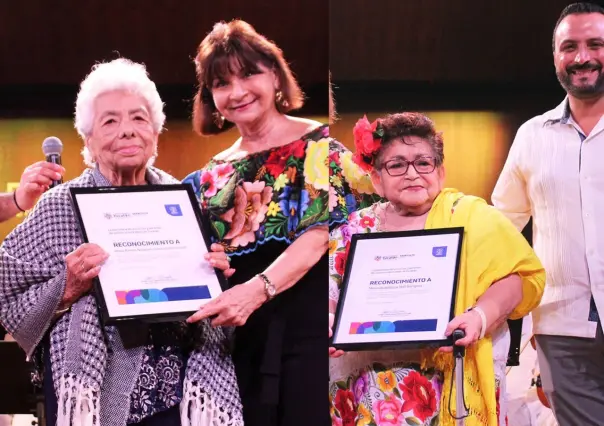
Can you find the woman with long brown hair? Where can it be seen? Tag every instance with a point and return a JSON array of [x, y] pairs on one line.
[[266, 198]]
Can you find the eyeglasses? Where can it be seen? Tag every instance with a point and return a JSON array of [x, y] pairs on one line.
[[398, 167]]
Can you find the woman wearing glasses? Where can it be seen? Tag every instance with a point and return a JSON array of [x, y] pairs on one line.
[[500, 277]]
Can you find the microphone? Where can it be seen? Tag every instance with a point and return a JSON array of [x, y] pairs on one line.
[[52, 147]]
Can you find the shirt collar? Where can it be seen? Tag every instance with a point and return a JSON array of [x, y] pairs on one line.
[[560, 114]]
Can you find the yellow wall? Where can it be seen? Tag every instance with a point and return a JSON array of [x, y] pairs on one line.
[[181, 151], [476, 146]]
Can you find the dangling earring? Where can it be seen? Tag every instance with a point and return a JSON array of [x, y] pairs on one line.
[[280, 100], [218, 119]]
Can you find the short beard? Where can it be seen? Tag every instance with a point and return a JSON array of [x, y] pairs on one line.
[[581, 92]]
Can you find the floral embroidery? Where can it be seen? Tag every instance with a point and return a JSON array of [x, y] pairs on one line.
[[251, 204], [386, 381], [271, 195], [371, 397], [216, 179], [159, 385], [388, 395], [315, 165], [350, 187], [344, 403], [388, 412], [418, 395]]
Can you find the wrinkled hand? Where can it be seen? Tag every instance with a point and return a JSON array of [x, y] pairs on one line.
[[234, 306], [333, 352], [83, 264], [471, 323], [35, 180], [219, 260]]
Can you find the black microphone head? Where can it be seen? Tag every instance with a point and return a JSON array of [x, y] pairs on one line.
[[52, 145]]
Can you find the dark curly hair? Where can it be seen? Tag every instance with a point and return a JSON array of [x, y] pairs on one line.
[[405, 124]]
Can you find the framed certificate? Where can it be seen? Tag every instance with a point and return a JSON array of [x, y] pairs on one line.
[[398, 290], [156, 238]]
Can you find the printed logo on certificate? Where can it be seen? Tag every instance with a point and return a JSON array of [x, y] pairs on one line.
[[156, 238], [398, 290]]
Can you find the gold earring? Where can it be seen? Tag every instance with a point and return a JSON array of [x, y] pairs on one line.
[[280, 99], [218, 119]]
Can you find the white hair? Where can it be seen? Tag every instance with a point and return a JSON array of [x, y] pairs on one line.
[[119, 74]]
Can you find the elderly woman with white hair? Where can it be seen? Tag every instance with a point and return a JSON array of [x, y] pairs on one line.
[[95, 374]]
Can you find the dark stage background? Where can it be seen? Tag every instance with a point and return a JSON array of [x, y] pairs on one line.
[[48, 47]]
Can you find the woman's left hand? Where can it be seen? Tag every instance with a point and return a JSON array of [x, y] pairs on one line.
[[234, 306], [471, 323], [219, 260]]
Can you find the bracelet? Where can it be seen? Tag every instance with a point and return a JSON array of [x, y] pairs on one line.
[[483, 320], [15, 200], [269, 289]]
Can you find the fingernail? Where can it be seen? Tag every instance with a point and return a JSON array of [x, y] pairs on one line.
[[213, 262], [206, 256], [58, 175]]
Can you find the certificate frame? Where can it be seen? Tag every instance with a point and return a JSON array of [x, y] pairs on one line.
[[393, 344], [203, 226]]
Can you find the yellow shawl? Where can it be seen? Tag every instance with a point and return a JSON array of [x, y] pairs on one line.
[[492, 249]]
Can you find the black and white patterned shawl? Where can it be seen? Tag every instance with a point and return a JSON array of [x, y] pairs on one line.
[[94, 385]]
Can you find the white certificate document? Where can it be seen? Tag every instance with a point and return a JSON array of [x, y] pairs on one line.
[[156, 266], [398, 288]]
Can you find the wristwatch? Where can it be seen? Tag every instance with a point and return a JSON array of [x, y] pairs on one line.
[[269, 288]]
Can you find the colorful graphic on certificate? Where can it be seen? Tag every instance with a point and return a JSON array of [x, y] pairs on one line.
[[398, 288]]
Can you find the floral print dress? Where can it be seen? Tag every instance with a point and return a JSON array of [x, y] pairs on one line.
[[256, 207], [387, 388]]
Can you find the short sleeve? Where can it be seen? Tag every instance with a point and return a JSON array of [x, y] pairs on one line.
[[193, 179], [350, 188]]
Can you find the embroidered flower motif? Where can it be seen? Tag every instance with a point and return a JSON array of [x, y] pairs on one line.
[[148, 378], [336, 181], [333, 198], [316, 166], [358, 180], [386, 381], [333, 245], [249, 210], [388, 412], [215, 179], [207, 181], [360, 386], [168, 369], [280, 182], [364, 416], [277, 160], [293, 205], [418, 395], [345, 404], [367, 222], [273, 209], [340, 263]]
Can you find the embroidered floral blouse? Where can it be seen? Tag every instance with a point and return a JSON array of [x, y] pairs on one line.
[[275, 194], [387, 387], [350, 187]]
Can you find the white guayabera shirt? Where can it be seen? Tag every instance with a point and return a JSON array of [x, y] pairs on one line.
[[554, 173]]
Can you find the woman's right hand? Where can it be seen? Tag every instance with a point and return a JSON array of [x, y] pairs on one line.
[[83, 264], [333, 352]]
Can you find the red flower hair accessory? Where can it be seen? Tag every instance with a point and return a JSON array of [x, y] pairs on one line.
[[367, 141]]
